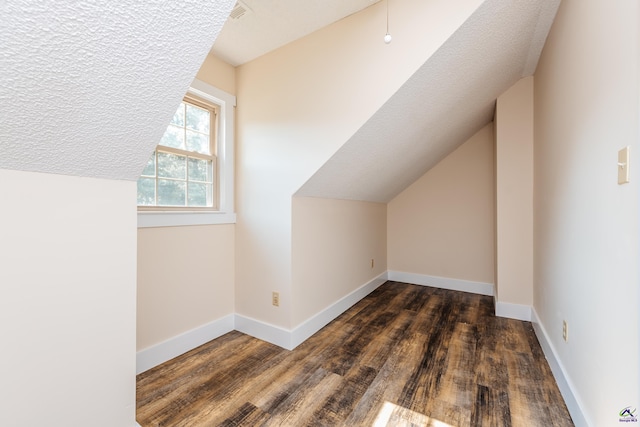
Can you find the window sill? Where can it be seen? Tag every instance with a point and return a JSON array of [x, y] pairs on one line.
[[179, 219]]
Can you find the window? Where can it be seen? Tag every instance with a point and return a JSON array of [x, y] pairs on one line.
[[189, 178], [182, 171]]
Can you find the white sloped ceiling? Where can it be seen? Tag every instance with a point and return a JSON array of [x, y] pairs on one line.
[[87, 88], [444, 103], [268, 25]]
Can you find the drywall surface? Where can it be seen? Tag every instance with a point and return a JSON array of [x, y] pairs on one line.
[[87, 88], [185, 279], [334, 244], [296, 107], [186, 274], [586, 225], [218, 74], [443, 224], [514, 194], [269, 25], [449, 98], [67, 312]]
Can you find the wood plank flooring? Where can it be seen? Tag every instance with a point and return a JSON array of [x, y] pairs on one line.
[[403, 356]]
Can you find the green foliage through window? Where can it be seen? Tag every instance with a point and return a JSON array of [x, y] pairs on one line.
[[180, 173]]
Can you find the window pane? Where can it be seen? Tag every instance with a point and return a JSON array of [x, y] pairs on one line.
[[178, 117], [172, 166], [173, 137], [198, 142], [171, 193], [200, 170], [146, 191], [178, 175], [197, 119], [150, 169], [200, 194]]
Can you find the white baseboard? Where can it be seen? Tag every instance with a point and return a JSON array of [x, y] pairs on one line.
[[564, 383], [264, 331], [513, 311], [167, 350], [503, 309], [312, 325], [290, 339], [160, 353], [442, 282]]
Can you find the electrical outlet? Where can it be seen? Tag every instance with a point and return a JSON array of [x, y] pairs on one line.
[[371, 262], [565, 331], [275, 299]]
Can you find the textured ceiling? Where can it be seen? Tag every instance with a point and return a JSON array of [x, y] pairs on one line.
[[444, 103], [87, 88], [274, 23]]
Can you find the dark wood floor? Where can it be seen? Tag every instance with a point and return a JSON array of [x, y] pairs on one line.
[[403, 356]]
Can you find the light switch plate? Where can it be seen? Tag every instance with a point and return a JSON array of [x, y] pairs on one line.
[[623, 166]]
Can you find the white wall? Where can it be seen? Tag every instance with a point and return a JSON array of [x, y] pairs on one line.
[[218, 73], [333, 244], [443, 224], [514, 197], [186, 274], [67, 311], [185, 280], [92, 87], [296, 106], [587, 248]]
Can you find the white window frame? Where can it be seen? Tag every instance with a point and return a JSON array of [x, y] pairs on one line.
[[225, 153]]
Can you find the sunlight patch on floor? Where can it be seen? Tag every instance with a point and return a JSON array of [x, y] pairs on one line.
[[392, 415]]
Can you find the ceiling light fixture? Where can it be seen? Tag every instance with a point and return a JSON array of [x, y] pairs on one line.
[[387, 37]]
